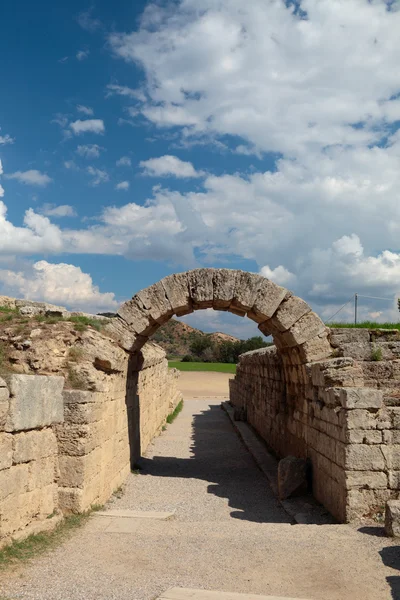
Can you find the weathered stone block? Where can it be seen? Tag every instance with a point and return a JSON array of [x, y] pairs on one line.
[[119, 330], [289, 312], [247, 286], [362, 436], [267, 300], [358, 419], [33, 445], [303, 330], [224, 282], [360, 457], [392, 456], [348, 335], [177, 289], [36, 401], [292, 476], [5, 450], [14, 481], [368, 480], [155, 303], [353, 397], [394, 480], [82, 397], [201, 287], [135, 316], [392, 518], [318, 348]]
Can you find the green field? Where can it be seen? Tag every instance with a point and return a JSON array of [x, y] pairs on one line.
[[200, 366], [365, 325]]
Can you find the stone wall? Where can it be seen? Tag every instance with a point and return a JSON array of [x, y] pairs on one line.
[[339, 413], [29, 406], [64, 449]]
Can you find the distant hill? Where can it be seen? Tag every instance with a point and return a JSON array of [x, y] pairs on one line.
[[175, 337]]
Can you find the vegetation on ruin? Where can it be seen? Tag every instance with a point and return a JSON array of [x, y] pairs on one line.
[[38, 543], [202, 366], [365, 325], [172, 416]]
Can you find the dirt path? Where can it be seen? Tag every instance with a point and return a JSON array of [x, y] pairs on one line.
[[204, 384], [228, 533]]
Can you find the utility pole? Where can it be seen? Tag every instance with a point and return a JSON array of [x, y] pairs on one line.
[[355, 308]]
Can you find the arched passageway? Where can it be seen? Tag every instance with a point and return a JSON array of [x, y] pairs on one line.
[[299, 334]]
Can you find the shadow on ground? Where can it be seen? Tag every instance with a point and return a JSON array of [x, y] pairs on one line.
[[219, 457]]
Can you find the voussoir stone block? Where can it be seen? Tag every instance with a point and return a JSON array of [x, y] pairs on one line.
[[177, 289], [201, 287], [133, 313], [268, 298], [155, 303], [224, 287], [307, 327], [289, 312], [247, 286], [119, 330], [36, 401]]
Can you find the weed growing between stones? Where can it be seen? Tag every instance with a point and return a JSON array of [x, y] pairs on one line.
[[376, 354], [172, 416], [39, 543], [75, 380], [75, 354]]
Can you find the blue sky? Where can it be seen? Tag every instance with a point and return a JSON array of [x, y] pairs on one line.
[[143, 138]]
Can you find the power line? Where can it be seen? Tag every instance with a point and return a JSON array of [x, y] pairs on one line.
[[375, 297], [337, 312]]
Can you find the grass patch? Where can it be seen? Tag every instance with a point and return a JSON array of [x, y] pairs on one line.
[[200, 366], [39, 543], [8, 309], [172, 416], [376, 354], [75, 354], [365, 325], [75, 380], [82, 323]]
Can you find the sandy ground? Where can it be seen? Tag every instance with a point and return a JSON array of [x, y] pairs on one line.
[[204, 384], [228, 533]]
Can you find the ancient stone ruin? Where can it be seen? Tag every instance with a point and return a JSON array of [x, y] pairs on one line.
[[79, 407]]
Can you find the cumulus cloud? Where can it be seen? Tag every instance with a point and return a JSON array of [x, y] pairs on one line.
[[62, 284], [86, 110], [98, 176], [124, 161], [31, 177], [6, 139], [123, 185], [88, 126], [82, 54], [123, 90], [89, 150], [281, 82], [169, 166], [63, 210], [88, 22], [279, 275]]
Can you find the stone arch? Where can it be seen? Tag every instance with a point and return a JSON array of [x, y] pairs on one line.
[[299, 334]]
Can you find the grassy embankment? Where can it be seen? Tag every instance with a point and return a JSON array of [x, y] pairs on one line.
[[365, 325], [202, 366]]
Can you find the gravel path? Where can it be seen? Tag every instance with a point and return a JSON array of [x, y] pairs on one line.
[[228, 533]]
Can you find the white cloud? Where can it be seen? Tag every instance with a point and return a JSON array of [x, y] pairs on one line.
[[89, 150], [279, 275], [61, 284], [169, 166], [123, 90], [82, 54], [88, 126], [64, 210], [123, 185], [98, 176], [6, 139], [88, 22], [282, 83], [86, 110], [31, 177], [124, 161], [71, 165]]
